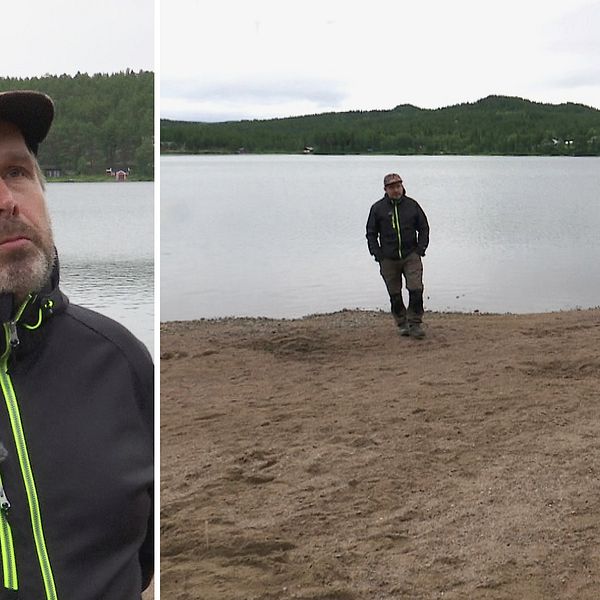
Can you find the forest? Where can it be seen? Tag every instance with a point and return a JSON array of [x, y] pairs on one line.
[[102, 121], [496, 125]]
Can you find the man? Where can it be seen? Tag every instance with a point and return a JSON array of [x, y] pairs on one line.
[[76, 406], [397, 236]]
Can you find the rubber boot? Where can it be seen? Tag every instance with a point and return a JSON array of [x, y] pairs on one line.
[[415, 313]]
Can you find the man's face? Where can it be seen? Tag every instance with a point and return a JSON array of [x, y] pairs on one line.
[[26, 242], [395, 190]]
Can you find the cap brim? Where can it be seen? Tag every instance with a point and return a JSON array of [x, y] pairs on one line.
[[32, 112]]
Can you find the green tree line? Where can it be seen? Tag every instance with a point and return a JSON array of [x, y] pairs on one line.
[[101, 121], [496, 125]]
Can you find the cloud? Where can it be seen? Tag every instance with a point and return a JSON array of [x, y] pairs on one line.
[[270, 62], [571, 69], [257, 97], [577, 31], [66, 36], [582, 77], [573, 37]]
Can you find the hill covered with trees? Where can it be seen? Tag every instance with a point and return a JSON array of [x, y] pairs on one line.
[[496, 125], [102, 121]]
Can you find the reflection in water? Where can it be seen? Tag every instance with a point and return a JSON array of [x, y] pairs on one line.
[[122, 290]]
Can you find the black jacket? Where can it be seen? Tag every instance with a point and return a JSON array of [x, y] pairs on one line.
[[383, 234], [76, 419]]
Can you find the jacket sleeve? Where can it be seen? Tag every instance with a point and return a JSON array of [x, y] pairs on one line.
[[422, 232], [144, 368], [146, 553], [373, 234]]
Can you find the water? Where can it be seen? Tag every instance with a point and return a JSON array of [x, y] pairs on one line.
[[284, 236], [104, 233]]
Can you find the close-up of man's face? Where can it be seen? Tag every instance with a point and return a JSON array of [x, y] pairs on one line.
[[395, 190], [26, 242]]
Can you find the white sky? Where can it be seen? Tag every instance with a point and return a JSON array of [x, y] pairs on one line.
[[235, 59], [65, 36]]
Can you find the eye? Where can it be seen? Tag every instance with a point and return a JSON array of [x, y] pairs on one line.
[[15, 172]]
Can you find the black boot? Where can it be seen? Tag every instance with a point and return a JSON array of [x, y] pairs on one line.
[[415, 306], [415, 313], [398, 309]]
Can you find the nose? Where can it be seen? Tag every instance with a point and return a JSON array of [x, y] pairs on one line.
[[8, 204]]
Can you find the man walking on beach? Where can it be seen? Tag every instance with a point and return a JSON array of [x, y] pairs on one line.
[[76, 406], [397, 236]]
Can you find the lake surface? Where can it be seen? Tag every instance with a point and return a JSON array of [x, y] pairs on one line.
[[284, 236], [104, 233]]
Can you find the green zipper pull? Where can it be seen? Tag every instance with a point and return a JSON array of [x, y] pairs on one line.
[[11, 326], [4, 503], [14, 337]]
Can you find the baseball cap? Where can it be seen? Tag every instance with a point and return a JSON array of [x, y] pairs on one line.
[[391, 178], [32, 112]]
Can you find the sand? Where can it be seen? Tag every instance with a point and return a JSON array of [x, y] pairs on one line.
[[149, 593], [329, 458]]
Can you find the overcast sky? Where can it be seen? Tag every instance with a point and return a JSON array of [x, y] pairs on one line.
[[65, 36], [235, 59]]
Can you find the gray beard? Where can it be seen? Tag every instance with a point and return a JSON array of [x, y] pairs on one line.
[[27, 270], [26, 274]]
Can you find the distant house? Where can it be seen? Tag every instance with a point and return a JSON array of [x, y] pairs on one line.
[[51, 172], [119, 174]]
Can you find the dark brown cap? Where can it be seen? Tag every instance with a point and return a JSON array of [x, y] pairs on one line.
[[32, 112], [391, 178]]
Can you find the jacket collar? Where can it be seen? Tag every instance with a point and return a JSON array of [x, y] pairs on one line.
[[22, 324], [392, 201]]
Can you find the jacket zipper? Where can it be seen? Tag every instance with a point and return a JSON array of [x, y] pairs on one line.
[[26, 470], [9, 567], [398, 230]]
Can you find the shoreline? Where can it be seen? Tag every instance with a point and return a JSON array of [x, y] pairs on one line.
[[93, 179], [300, 153], [327, 457], [428, 313]]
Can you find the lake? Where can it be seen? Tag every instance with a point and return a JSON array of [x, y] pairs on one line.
[[284, 236], [104, 233]]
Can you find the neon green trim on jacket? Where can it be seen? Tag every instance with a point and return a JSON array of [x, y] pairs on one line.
[[396, 226], [26, 471], [9, 565]]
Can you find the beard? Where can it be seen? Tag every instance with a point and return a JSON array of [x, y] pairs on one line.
[[25, 270]]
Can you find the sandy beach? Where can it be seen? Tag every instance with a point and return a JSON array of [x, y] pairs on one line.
[[328, 458]]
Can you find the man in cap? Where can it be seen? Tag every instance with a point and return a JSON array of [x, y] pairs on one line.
[[397, 236], [76, 406]]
